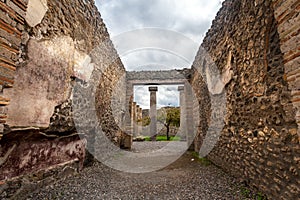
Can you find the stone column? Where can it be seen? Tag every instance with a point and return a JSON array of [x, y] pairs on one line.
[[128, 111], [153, 112], [183, 127], [136, 123], [140, 124], [190, 132], [133, 118]]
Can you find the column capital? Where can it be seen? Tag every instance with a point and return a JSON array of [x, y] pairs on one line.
[[180, 88], [153, 89]]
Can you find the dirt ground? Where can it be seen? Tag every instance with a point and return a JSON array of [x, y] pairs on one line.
[[186, 178]]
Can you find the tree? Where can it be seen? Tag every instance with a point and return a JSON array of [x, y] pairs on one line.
[[169, 116], [145, 121]]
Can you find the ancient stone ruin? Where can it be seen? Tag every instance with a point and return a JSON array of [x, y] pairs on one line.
[[60, 73]]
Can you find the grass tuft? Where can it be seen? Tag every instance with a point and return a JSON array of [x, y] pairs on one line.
[[147, 138], [162, 138], [247, 193], [204, 161]]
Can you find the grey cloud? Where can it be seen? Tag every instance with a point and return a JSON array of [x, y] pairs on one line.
[[155, 38], [158, 46], [125, 15], [191, 28], [153, 60], [131, 14], [145, 50], [122, 16]]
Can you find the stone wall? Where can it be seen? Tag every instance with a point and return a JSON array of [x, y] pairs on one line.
[[50, 47], [110, 106], [257, 58], [56, 50], [56, 54], [158, 75]]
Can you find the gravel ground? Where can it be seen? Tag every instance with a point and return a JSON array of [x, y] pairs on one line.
[[184, 179]]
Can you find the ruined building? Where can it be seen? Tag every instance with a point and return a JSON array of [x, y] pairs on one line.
[[56, 58]]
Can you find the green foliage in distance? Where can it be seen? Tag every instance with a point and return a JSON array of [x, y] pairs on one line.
[[169, 116]]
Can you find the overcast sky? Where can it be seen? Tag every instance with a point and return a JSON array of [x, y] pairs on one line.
[[157, 35]]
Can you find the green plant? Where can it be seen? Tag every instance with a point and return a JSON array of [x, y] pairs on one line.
[[145, 121], [169, 116], [260, 196], [164, 138], [175, 138], [203, 160], [246, 193], [147, 138]]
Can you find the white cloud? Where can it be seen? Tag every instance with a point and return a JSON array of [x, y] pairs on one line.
[[167, 95], [146, 50], [191, 19], [156, 46]]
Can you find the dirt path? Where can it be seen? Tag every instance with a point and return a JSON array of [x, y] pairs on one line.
[[186, 178]]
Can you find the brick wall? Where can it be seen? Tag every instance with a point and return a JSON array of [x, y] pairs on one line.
[[288, 20], [12, 23]]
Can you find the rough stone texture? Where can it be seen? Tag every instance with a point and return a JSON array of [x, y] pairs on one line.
[[57, 50], [259, 142], [34, 150], [156, 76], [254, 45], [70, 46], [110, 101], [204, 105], [20, 187], [53, 60], [62, 121], [35, 12]]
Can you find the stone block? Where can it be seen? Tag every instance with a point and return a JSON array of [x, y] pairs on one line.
[[127, 141], [36, 11]]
